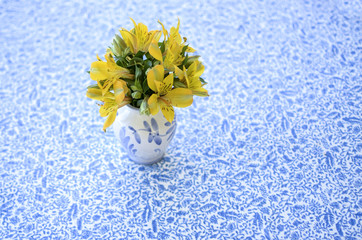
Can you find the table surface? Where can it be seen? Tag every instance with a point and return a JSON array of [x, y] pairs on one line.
[[274, 153]]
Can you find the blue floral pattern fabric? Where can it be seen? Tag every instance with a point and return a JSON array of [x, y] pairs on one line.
[[275, 152]]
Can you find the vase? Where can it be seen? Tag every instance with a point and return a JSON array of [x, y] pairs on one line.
[[144, 138]]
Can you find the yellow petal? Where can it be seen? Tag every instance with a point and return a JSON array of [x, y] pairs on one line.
[[130, 39], [199, 69], [167, 111], [110, 120], [178, 24], [155, 74], [153, 104], [134, 23], [115, 71], [179, 73], [180, 97], [190, 49], [99, 70], [99, 84], [151, 36], [107, 108], [124, 103], [106, 85], [196, 69], [202, 92], [140, 29], [108, 97], [158, 86], [109, 58], [119, 88], [109, 51], [120, 72], [151, 80], [159, 72], [157, 35], [110, 61], [174, 30], [165, 33], [174, 33], [155, 51], [166, 85], [94, 93]]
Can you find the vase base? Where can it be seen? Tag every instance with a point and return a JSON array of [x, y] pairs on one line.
[[146, 162]]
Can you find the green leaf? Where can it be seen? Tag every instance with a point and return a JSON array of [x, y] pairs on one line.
[[139, 54], [147, 64], [138, 59], [185, 60], [134, 88], [116, 50], [120, 42], [135, 61], [184, 50], [88, 72], [138, 85], [190, 60], [138, 78], [155, 63], [144, 107], [162, 46], [145, 86], [138, 73], [121, 62], [136, 95], [118, 46], [134, 103], [126, 51], [139, 102], [203, 81], [129, 82], [149, 56]]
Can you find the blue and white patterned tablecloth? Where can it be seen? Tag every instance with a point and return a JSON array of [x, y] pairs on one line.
[[274, 153]]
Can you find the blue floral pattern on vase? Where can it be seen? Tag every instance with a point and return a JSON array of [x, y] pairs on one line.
[[136, 135], [172, 130], [148, 142], [153, 133], [125, 140]]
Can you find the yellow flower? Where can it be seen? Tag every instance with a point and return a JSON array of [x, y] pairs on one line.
[[111, 102], [191, 78], [108, 71], [173, 55], [139, 39], [173, 47], [175, 36], [165, 97]]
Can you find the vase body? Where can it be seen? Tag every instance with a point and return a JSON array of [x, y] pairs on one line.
[[144, 138]]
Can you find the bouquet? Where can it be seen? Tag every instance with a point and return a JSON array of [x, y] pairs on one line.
[[146, 73]]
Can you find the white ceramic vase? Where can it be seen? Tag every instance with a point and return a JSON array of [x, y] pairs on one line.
[[144, 138]]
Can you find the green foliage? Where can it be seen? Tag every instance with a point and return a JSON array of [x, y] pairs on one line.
[[144, 107], [136, 95]]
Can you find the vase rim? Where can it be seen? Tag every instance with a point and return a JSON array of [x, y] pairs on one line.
[[132, 107]]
